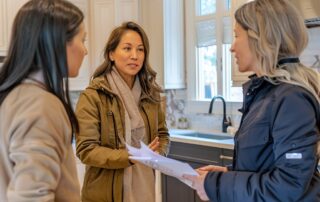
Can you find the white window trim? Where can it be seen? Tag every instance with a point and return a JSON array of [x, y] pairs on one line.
[[193, 104]]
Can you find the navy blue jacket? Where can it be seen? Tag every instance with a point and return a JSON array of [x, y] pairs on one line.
[[275, 148]]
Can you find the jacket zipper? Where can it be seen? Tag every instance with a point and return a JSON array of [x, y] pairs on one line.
[[149, 128], [117, 147], [115, 131]]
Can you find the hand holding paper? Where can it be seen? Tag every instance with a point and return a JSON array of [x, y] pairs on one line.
[[165, 165]]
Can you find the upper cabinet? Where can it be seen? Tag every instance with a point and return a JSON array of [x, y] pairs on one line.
[[8, 11], [151, 19], [101, 17], [105, 15], [82, 80], [174, 68], [3, 29]]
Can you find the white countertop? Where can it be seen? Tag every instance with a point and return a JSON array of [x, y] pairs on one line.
[[177, 135]]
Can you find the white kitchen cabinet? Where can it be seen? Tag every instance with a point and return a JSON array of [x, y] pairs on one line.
[[101, 17], [3, 28], [151, 19], [8, 11], [238, 78], [82, 80], [174, 68], [105, 16]]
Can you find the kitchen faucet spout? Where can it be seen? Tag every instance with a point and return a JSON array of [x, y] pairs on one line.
[[225, 122]]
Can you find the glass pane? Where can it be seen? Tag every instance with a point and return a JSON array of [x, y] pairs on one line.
[[234, 93], [227, 30], [207, 67], [206, 33], [207, 7], [227, 5]]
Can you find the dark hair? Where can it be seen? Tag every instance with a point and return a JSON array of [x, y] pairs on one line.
[[146, 75], [40, 32]]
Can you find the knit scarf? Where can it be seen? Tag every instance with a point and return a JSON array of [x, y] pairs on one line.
[[138, 181]]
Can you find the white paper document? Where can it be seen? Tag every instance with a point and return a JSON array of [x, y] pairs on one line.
[[165, 165]]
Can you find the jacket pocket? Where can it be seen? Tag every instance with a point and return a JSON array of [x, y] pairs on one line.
[[255, 136], [98, 185]]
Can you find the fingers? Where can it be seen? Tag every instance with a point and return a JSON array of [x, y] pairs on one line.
[[154, 145], [207, 168], [133, 161], [155, 140], [212, 168], [201, 172]]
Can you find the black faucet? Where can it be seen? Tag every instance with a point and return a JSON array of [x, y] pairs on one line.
[[225, 122]]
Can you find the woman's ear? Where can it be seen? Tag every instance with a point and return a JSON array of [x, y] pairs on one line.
[[111, 56]]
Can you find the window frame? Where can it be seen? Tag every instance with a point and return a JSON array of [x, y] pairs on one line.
[[224, 76]]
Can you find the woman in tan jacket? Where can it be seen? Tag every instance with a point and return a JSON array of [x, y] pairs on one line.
[[121, 105], [37, 162]]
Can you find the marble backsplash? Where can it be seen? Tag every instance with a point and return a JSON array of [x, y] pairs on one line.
[[178, 117]]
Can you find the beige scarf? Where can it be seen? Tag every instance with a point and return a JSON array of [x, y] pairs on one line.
[[138, 181]]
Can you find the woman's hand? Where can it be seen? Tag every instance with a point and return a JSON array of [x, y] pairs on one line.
[[198, 181], [154, 145], [212, 168], [198, 184]]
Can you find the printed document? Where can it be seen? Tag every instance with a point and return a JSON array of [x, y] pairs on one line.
[[165, 165]]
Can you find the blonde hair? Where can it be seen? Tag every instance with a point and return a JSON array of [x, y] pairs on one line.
[[276, 30]]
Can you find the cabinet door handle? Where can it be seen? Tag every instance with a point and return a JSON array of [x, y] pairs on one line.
[[226, 157]]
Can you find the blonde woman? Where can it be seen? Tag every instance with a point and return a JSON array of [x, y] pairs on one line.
[[275, 153]]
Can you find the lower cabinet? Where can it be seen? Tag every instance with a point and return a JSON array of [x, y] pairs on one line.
[[197, 156]]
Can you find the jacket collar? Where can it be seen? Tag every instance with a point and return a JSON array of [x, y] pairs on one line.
[[255, 82], [101, 83], [251, 88]]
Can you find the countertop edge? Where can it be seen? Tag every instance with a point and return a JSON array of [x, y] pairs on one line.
[[197, 141]]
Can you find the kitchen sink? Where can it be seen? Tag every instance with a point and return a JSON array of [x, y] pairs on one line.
[[218, 136], [206, 136]]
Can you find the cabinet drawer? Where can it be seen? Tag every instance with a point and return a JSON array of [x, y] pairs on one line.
[[195, 153]]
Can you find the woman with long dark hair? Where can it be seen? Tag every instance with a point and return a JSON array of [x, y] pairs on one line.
[[36, 118], [121, 105]]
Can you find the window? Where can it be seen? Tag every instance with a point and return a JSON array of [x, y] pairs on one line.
[[208, 41]]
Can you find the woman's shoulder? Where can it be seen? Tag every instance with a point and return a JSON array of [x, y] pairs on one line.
[[295, 96], [96, 84], [291, 90], [33, 98], [31, 105]]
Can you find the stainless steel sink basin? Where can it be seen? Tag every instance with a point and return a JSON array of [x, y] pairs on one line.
[[207, 136]]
